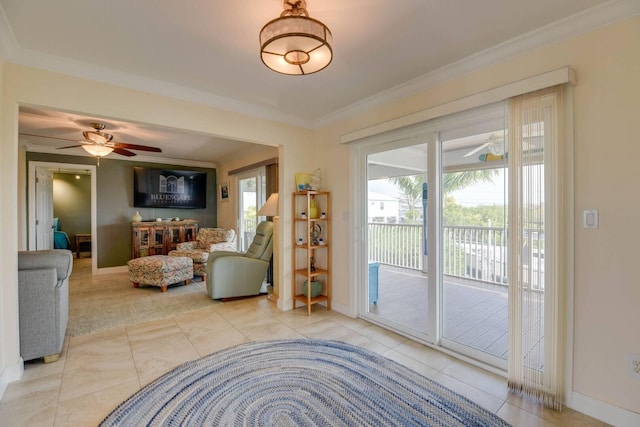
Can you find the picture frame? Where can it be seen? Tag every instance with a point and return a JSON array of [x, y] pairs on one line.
[[224, 191]]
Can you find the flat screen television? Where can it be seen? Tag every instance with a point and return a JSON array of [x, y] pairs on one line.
[[162, 188]]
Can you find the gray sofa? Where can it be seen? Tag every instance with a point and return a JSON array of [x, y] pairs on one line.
[[43, 302]]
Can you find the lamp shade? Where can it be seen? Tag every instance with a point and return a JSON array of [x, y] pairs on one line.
[[296, 44], [97, 150], [270, 207]]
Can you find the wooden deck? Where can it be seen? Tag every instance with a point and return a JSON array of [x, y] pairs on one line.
[[475, 314]]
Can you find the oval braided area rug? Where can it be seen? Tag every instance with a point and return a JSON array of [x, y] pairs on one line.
[[300, 382]]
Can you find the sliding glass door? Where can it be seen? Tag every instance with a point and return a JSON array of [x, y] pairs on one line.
[[474, 282], [398, 291], [436, 234], [465, 238]]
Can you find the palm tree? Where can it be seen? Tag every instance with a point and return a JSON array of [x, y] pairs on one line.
[[411, 199], [412, 187], [455, 181]]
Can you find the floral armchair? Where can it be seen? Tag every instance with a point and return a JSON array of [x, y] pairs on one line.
[[211, 239], [208, 240]]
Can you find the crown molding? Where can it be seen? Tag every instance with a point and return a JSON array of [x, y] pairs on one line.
[[132, 81], [588, 20]]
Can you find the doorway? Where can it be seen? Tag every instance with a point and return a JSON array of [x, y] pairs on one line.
[[252, 190], [434, 194], [76, 221], [399, 292]]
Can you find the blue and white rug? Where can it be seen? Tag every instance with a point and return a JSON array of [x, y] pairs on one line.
[[297, 383]]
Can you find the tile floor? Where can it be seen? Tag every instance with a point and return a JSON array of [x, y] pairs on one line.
[[99, 370]]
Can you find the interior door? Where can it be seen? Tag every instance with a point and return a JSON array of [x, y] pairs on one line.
[[44, 208]]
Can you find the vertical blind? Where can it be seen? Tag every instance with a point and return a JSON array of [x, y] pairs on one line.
[[536, 325]]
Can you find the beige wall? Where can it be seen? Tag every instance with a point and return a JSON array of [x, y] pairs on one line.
[[228, 212], [607, 65], [607, 151]]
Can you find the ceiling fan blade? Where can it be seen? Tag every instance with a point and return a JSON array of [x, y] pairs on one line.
[[477, 149], [123, 152], [136, 147], [69, 146]]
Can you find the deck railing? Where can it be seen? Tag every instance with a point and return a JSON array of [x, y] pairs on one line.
[[478, 253], [399, 245], [249, 226]]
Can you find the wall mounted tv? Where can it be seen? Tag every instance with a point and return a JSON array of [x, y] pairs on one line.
[[161, 188]]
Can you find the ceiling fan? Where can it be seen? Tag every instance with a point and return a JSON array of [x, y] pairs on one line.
[[99, 143], [495, 144]]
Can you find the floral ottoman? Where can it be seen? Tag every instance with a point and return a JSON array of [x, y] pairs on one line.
[[160, 270], [199, 258]]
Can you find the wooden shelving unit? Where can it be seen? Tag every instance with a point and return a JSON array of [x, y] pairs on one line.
[[312, 251]]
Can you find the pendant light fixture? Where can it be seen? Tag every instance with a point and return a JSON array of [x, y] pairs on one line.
[[294, 43]]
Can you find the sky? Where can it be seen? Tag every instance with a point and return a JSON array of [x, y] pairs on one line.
[[483, 194]]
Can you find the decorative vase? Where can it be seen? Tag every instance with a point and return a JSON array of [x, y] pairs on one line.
[[316, 288], [137, 217], [313, 210]]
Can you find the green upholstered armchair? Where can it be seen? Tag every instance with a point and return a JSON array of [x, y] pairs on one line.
[[237, 274]]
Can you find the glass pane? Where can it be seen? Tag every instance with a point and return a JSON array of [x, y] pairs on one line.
[[397, 281], [189, 233], [144, 238], [248, 210], [158, 235], [474, 236]]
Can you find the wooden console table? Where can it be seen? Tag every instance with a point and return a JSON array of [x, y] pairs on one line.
[[81, 238], [161, 237]]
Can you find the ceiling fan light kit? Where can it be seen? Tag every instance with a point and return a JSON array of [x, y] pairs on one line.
[[294, 43], [97, 150]]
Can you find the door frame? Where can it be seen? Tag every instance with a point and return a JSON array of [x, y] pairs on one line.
[[359, 222], [44, 233], [431, 132], [31, 203]]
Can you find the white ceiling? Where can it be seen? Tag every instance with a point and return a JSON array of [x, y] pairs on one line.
[[207, 50]]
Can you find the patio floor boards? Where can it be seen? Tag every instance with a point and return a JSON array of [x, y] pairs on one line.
[[475, 314]]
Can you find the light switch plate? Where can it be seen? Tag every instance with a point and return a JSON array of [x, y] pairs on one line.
[[590, 218]]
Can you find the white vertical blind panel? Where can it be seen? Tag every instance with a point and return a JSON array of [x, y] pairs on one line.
[[534, 296]]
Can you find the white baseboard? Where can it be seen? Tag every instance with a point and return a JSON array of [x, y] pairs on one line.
[[11, 374], [343, 309], [273, 298], [603, 411]]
